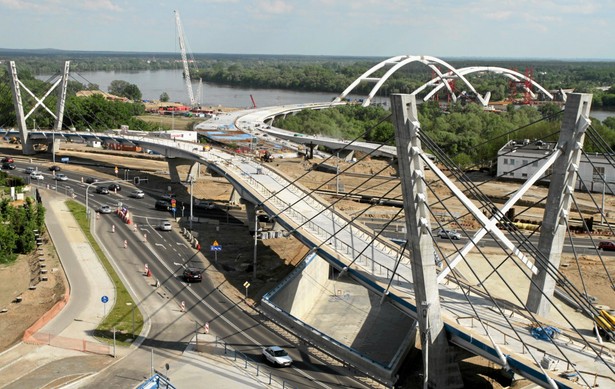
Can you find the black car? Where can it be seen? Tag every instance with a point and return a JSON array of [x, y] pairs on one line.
[[162, 205], [91, 180], [102, 190], [54, 168], [115, 187], [192, 274], [8, 165]]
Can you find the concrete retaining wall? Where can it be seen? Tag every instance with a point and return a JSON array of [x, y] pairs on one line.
[[309, 282]]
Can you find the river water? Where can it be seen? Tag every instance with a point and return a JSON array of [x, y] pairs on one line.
[[153, 83]]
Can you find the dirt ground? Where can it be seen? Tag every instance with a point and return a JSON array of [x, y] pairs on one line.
[[277, 257]]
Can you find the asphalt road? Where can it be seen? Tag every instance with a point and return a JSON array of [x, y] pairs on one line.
[[167, 254]]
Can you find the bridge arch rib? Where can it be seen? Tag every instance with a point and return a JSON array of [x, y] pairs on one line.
[[437, 83], [398, 62]]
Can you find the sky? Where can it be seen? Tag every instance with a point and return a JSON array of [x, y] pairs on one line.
[[561, 29]]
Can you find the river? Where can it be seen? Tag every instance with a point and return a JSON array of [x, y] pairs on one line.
[[153, 83]]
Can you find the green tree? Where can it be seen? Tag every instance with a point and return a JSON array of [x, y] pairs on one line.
[[164, 97], [125, 89]]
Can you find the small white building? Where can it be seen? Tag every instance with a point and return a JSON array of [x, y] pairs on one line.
[[187, 136], [520, 159]]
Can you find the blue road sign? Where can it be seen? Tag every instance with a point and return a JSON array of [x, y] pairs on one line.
[[104, 299], [215, 246]]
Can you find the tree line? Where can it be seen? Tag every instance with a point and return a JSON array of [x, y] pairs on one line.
[[18, 224], [469, 135], [334, 74]]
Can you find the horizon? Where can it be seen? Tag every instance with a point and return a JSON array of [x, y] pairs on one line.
[[55, 51], [361, 28]]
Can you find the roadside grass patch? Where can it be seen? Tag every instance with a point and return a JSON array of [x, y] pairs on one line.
[[120, 316]]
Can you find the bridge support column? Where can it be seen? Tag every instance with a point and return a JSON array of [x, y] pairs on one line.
[[559, 199], [193, 172], [251, 214], [173, 173], [16, 85], [441, 370], [26, 144], [310, 154], [235, 197]]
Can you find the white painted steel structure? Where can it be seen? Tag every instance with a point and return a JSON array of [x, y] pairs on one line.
[[442, 80], [395, 63]]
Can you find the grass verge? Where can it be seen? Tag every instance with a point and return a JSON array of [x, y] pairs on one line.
[[120, 317]]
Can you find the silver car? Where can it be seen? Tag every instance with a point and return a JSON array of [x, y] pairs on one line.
[[60, 177], [449, 234], [165, 225], [105, 209], [137, 194]]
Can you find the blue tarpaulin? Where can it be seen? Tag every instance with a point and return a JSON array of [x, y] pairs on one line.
[[545, 332]]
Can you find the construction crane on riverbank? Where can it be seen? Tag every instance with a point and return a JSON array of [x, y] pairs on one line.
[[182, 47]]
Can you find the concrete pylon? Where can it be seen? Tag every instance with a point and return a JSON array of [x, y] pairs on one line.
[[441, 369], [561, 187], [16, 85]]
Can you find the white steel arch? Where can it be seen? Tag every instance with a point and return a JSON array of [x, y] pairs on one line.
[[511, 74], [398, 62], [440, 81]]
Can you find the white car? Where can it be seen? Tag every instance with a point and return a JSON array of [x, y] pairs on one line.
[[36, 176], [137, 194], [277, 356], [60, 177], [165, 226]]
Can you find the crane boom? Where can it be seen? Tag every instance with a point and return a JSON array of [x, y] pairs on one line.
[[182, 48]]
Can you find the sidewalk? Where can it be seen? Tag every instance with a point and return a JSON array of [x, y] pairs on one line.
[[219, 369]]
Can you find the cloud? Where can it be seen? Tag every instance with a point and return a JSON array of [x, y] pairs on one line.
[[59, 6], [498, 15], [277, 7], [96, 5]]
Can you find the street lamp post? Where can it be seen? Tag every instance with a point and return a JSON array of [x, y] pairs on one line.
[[53, 145], [87, 198], [337, 175], [255, 244], [191, 201]]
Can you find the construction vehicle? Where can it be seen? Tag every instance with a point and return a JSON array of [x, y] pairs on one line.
[[605, 323], [182, 47]]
